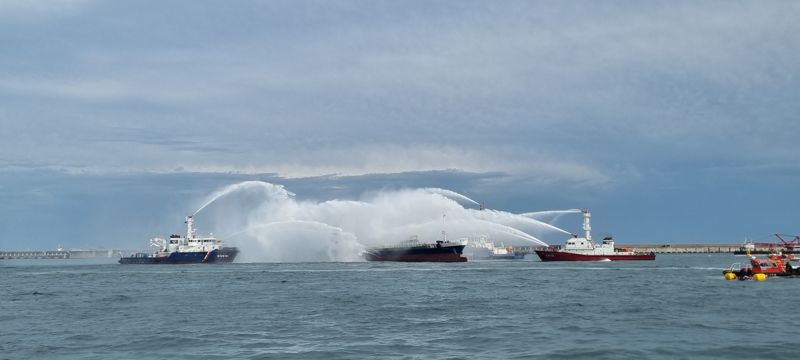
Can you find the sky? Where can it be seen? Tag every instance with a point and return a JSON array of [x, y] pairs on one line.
[[673, 121]]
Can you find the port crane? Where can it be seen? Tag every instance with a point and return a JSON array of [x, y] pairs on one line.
[[793, 244]]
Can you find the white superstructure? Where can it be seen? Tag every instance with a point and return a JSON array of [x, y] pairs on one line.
[[585, 246], [189, 243]]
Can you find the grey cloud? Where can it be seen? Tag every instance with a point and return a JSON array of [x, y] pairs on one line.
[[276, 83]]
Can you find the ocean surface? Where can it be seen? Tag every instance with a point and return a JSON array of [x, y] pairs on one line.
[[677, 307]]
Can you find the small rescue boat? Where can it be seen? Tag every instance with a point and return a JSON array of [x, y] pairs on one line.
[[760, 268]]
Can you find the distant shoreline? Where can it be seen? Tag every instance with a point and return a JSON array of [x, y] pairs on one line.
[[61, 254]]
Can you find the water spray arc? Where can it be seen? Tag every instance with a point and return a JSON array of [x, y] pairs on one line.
[[516, 233], [265, 187], [286, 222], [274, 226], [451, 195], [517, 220], [555, 214]]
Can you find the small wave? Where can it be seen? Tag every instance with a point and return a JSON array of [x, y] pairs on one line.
[[82, 337], [118, 298]]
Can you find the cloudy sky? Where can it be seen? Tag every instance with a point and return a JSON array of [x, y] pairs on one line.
[[672, 121]]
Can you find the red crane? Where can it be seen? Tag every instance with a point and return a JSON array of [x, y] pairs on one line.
[[791, 244]]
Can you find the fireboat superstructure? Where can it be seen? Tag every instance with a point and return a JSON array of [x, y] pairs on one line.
[[185, 250], [584, 249]]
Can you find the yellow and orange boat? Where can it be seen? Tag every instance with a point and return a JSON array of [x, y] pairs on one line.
[[760, 268]]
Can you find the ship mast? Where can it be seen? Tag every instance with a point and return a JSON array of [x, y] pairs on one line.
[[444, 231], [189, 227], [587, 227]]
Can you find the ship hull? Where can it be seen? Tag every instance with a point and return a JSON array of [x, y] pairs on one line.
[[222, 256], [514, 256], [417, 254], [555, 255]]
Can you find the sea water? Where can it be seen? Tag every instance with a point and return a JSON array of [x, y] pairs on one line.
[[676, 307]]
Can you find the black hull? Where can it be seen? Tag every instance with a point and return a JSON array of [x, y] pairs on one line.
[[224, 256], [417, 254]]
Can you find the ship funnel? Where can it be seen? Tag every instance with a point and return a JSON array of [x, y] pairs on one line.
[[587, 226]]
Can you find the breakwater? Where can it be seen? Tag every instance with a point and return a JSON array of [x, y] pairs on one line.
[[60, 254], [683, 248], [663, 248]]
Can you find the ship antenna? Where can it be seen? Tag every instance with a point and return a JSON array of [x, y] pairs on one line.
[[587, 227]]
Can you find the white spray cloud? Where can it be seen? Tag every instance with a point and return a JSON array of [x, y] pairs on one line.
[[274, 226], [300, 241]]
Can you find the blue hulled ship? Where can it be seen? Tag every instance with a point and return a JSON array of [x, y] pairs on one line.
[[189, 249]]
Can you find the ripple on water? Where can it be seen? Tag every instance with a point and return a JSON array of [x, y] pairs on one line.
[[676, 307]]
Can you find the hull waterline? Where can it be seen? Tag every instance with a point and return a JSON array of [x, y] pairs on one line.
[[446, 253], [548, 255], [223, 256]]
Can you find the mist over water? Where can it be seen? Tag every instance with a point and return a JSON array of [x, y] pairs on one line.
[[269, 224]]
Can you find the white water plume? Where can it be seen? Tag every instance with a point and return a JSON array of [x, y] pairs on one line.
[[450, 194], [515, 232], [551, 215], [463, 228], [517, 221], [275, 226], [300, 241], [269, 190]]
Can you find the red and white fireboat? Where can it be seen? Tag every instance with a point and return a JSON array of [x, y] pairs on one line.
[[583, 249]]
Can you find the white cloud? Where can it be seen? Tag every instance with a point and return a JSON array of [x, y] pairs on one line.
[[101, 90], [555, 92], [339, 160], [31, 8]]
